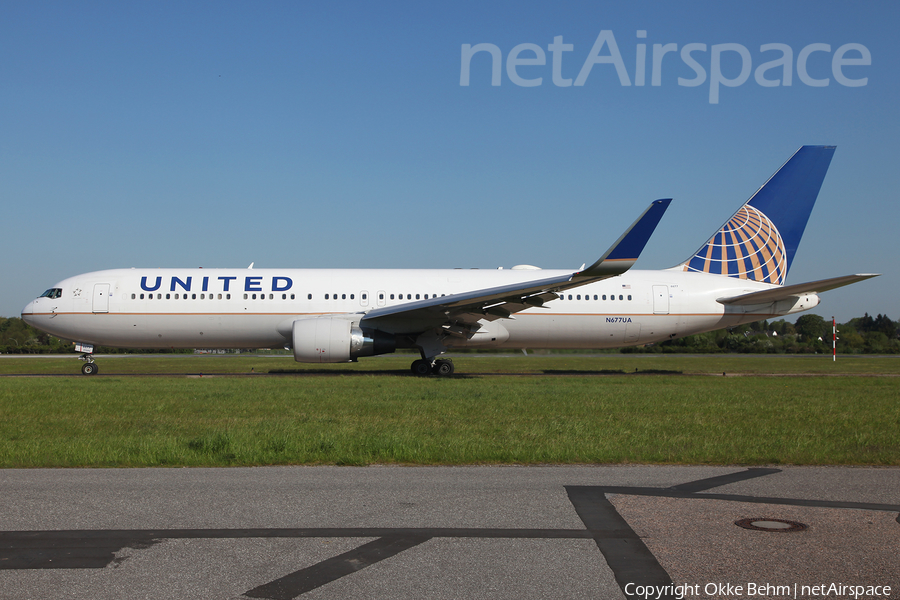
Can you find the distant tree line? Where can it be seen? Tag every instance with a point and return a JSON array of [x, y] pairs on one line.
[[809, 335]]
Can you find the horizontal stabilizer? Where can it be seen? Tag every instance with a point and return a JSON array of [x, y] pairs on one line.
[[801, 289]]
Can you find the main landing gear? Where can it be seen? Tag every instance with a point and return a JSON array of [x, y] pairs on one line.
[[442, 367], [89, 367]]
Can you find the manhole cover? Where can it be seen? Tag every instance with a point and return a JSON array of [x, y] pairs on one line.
[[766, 524]]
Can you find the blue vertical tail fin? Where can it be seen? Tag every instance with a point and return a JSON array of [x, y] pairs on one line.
[[760, 240]]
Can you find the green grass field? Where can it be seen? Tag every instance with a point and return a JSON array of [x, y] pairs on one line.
[[564, 409]]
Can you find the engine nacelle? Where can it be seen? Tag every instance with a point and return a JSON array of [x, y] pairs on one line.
[[333, 339]]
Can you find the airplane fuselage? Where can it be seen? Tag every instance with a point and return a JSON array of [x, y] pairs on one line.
[[255, 308]]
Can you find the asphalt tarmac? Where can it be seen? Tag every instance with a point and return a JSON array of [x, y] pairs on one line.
[[450, 532]]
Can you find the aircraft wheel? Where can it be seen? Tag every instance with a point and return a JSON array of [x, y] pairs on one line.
[[421, 367], [443, 368], [89, 368]]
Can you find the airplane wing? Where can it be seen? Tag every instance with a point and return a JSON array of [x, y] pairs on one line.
[[503, 301], [788, 291]]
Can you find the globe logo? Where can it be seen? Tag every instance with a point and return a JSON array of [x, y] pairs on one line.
[[748, 246]]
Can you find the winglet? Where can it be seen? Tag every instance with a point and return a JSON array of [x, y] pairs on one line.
[[625, 252]]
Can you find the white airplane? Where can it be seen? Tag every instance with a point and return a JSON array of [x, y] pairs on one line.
[[339, 315]]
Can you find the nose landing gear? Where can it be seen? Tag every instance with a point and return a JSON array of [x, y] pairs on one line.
[[89, 367]]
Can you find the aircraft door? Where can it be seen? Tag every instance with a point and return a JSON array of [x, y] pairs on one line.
[[660, 299], [381, 298], [101, 297], [364, 298]]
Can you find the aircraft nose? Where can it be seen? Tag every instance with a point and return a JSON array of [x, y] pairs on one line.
[[28, 313]]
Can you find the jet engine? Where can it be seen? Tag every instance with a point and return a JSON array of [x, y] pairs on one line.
[[333, 339]]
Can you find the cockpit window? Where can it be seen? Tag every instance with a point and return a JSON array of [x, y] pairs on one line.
[[52, 293]]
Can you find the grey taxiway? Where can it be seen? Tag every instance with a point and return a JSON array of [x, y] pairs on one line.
[[449, 532]]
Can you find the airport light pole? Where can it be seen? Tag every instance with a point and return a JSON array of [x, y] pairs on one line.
[[833, 340]]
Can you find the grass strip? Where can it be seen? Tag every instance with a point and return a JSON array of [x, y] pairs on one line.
[[358, 420]]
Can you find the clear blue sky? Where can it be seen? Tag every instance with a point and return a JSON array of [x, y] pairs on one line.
[[326, 134]]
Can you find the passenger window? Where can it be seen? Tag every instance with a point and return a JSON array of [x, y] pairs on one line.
[[417, 296], [271, 296], [220, 296], [380, 296], [620, 297], [570, 296], [629, 296], [578, 297], [142, 296], [309, 296], [364, 296], [409, 296], [604, 296], [132, 296], [612, 297], [343, 296], [228, 296], [326, 296], [353, 296], [392, 296]]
